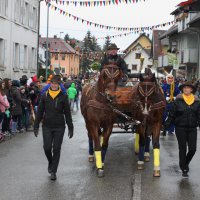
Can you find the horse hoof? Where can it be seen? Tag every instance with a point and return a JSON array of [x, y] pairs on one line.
[[100, 173], [146, 158], [156, 173], [140, 166], [91, 158]]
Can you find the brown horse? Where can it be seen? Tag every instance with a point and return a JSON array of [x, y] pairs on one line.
[[148, 108], [99, 117]]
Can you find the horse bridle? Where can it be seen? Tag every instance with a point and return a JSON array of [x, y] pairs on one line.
[[112, 75], [145, 93]]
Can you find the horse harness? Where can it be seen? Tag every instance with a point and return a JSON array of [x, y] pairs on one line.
[[145, 93]]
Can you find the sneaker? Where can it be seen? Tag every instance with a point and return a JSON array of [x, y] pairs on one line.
[[185, 174], [53, 176]]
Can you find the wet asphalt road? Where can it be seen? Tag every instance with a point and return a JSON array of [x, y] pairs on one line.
[[23, 171]]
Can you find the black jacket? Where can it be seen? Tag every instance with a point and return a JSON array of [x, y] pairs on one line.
[[54, 112], [183, 115], [17, 100]]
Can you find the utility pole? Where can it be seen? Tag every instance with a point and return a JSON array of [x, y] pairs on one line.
[[47, 49], [59, 53]]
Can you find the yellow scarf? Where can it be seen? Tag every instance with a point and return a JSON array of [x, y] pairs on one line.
[[171, 96], [189, 100], [54, 93]]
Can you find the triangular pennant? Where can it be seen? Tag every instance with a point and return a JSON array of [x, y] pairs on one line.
[[60, 11], [100, 3], [116, 1]]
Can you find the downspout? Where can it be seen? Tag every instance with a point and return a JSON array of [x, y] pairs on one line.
[[38, 39], [198, 61]]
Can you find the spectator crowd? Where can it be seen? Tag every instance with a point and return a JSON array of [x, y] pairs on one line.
[[19, 100]]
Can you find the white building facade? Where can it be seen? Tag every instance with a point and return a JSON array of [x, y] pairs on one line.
[[18, 38], [132, 59]]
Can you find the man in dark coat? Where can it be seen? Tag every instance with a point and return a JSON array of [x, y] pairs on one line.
[[111, 57], [55, 111]]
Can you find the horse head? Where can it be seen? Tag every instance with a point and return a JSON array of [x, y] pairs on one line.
[[146, 89], [108, 79]]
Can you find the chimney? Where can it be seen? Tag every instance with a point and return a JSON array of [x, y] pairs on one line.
[[55, 36]]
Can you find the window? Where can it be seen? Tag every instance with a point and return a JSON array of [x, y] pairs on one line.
[[22, 12], [4, 7], [21, 56], [1, 53], [26, 13], [63, 56], [137, 55], [30, 20], [63, 70], [17, 10], [56, 56], [34, 18], [33, 52], [16, 56], [134, 67], [25, 57]]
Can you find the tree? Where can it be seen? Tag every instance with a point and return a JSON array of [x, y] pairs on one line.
[[90, 49], [107, 43], [67, 38]]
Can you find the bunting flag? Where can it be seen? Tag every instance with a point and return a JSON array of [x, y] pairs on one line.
[[95, 3], [89, 23], [118, 35]]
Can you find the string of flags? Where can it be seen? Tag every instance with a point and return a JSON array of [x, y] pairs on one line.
[[101, 26], [95, 3], [118, 35]]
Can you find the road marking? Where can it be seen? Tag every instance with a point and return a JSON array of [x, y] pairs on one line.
[[137, 187]]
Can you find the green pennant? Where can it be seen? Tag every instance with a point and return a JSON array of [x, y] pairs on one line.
[[113, 1]]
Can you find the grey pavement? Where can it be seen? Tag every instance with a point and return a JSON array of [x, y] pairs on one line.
[[23, 171]]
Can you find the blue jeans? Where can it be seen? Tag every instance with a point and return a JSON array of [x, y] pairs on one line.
[[71, 103], [26, 115]]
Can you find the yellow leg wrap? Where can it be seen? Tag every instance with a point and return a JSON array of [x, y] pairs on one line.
[[101, 140], [98, 159], [137, 136], [156, 153]]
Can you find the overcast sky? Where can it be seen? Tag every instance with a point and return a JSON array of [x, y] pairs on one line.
[[148, 13]]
